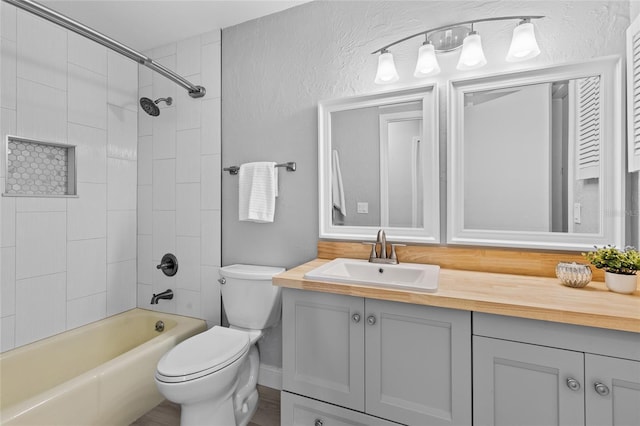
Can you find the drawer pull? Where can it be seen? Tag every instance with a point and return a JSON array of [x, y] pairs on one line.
[[573, 384], [601, 388], [318, 422]]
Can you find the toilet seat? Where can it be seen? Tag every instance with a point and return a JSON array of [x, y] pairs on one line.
[[202, 354]]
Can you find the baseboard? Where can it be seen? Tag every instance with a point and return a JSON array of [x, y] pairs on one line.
[[270, 376]]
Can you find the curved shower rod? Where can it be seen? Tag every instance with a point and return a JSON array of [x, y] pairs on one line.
[[78, 28]]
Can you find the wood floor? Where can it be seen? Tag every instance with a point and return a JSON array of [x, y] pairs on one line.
[[168, 413]]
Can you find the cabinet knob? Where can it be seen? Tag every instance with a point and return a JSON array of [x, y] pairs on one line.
[[355, 318], [601, 388], [371, 320], [318, 422], [573, 384]]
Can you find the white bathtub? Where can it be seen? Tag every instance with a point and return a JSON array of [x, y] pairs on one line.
[[98, 374]]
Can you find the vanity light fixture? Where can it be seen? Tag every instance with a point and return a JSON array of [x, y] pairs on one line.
[[451, 37]]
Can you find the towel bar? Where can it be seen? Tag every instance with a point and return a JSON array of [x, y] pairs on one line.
[[290, 165]]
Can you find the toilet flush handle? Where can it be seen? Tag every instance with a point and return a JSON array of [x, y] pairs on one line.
[[222, 281]]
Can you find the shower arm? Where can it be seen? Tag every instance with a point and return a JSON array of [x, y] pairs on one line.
[[78, 28]]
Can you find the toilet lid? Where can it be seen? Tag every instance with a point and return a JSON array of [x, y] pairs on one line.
[[202, 354]]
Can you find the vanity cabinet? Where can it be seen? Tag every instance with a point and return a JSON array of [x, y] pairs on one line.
[[538, 373], [400, 362]]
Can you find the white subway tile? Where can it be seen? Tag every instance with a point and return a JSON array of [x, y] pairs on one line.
[[164, 234], [145, 209], [8, 23], [87, 94], [210, 237], [8, 119], [188, 254], [145, 160], [42, 112], [162, 86], [144, 295], [8, 74], [164, 134], [145, 264], [121, 287], [87, 214], [122, 78], [188, 303], [27, 204], [211, 182], [188, 109], [144, 76], [210, 294], [188, 56], [161, 51], [42, 51], [211, 69], [86, 310], [7, 281], [210, 131], [41, 244], [188, 209], [86, 267], [87, 54], [7, 330], [41, 308], [122, 136], [91, 152], [121, 235], [121, 184], [164, 184], [7, 221], [188, 156]]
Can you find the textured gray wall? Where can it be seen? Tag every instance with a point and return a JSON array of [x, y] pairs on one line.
[[276, 69]]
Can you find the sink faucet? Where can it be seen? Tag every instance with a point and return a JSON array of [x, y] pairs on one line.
[[382, 240], [167, 294]]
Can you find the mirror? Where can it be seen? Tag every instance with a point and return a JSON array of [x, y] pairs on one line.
[[378, 166], [535, 158]]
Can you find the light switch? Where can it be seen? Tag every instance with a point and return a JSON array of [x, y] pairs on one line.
[[577, 213], [363, 207]]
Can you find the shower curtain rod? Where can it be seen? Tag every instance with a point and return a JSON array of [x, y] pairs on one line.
[[78, 28]]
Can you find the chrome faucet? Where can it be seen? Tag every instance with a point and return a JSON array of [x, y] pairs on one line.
[[167, 294], [382, 258]]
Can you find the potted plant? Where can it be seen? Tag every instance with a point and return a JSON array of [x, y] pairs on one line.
[[620, 267]]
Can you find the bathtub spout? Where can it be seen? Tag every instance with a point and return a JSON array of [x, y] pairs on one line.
[[167, 294]]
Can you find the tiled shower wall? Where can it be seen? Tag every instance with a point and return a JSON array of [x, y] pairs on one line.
[[179, 181], [67, 261]]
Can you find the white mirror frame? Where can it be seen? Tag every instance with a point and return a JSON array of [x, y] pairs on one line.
[[430, 232], [612, 164]]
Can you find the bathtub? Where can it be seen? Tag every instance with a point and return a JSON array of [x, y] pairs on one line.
[[98, 374]]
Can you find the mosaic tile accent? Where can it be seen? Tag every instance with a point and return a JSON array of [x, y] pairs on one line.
[[37, 169]]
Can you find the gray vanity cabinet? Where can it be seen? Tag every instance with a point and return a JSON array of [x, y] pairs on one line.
[[404, 363]]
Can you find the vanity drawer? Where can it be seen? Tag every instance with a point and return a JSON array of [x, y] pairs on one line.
[[298, 410]]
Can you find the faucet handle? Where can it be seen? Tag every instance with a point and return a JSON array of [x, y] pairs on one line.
[[393, 251], [373, 254]]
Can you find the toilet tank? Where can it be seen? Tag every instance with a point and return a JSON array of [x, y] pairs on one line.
[[250, 299]]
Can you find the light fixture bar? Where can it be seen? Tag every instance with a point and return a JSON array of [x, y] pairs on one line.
[[444, 27]]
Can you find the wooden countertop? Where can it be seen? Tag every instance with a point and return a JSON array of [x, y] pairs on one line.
[[513, 295]]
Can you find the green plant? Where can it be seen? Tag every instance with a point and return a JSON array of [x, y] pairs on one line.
[[612, 259]]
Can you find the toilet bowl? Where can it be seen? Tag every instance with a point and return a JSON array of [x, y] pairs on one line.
[[214, 374]]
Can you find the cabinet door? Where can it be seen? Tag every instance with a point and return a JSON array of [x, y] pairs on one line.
[[418, 363], [612, 393], [323, 347], [297, 410], [522, 384]]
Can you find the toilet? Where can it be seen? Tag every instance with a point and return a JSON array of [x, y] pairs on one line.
[[213, 375]]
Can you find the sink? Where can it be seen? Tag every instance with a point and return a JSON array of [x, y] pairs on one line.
[[409, 276]]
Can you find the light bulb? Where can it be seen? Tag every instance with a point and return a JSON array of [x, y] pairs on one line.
[[427, 63], [523, 44], [386, 69], [472, 56]]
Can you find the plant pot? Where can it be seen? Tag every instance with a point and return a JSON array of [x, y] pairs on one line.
[[621, 283]]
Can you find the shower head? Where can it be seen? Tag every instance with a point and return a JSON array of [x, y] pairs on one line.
[[151, 107]]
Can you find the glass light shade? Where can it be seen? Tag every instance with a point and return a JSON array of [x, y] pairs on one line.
[[386, 69], [427, 63], [472, 56], [523, 44]]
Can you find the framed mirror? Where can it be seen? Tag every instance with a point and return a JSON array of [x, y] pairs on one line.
[[535, 158], [378, 166]]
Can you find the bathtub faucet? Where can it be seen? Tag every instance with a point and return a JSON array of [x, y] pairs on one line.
[[167, 294]]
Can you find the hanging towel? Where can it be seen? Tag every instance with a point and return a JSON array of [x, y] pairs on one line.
[[258, 189], [337, 189]]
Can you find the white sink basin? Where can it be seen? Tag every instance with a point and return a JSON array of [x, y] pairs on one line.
[[410, 276]]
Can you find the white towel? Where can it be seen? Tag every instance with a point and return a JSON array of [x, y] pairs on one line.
[[337, 189], [258, 189]]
